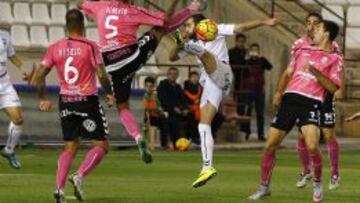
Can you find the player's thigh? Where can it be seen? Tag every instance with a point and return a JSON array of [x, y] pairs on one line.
[[72, 146], [95, 125], [207, 113], [222, 77], [15, 114], [210, 99], [147, 45], [209, 62], [274, 139], [121, 82], [311, 136]]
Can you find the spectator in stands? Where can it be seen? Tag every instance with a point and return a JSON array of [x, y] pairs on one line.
[[173, 101], [193, 91], [255, 82], [154, 115], [238, 61]]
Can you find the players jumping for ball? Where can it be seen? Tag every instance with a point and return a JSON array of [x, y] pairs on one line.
[[77, 62], [314, 71], [216, 78]]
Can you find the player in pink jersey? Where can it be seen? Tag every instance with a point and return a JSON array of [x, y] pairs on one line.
[[327, 114], [312, 73], [118, 22], [77, 62]]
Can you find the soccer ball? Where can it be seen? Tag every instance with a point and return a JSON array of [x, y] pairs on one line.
[[206, 30], [182, 144]]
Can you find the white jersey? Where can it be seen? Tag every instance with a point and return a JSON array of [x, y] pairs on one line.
[[218, 47], [6, 51]]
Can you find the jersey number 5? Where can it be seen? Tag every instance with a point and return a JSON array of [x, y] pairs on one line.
[[71, 73], [113, 28]]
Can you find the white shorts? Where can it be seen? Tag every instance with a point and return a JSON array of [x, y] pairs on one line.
[[8, 95], [216, 85]]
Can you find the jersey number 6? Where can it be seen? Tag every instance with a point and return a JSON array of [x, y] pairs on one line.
[[71, 73]]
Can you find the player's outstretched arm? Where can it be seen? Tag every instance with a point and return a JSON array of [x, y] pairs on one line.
[[353, 117], [106, 84], [241, 27], [40, 83], [170, 12], [323, 80], [18, 63]]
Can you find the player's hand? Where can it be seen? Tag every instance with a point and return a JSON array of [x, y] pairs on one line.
[[45, 105], [110, 100], [271, 22], [276, 99], [354, 117]]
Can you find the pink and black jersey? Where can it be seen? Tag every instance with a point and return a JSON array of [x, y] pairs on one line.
[[119, 22], [306, 84], [75, 60]]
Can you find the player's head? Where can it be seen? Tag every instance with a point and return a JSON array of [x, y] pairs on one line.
[[191, 23], [75, 21], [240, 40], [312, 20], [149, 84], [194, 77], [327, 31], [254, 50], [173, 74]]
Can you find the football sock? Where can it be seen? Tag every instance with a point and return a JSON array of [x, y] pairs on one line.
[[14, 133], [91, 161], [333, 150], [207, 145], [64, 164], [195, 49], [304, 156], [317, 165], [267, 165], [130, 123]]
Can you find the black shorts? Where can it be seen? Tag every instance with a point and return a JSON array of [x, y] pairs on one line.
[[327, 112], [123, 63], [296, 109], [82, 117]]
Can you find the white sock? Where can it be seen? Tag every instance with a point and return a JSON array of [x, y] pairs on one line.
[[14, 133], [207, 145], [195, 49]]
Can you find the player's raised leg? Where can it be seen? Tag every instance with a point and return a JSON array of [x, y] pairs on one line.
[[64, 164], [273, 141], [311, 136], [92, 159], [14, 133]]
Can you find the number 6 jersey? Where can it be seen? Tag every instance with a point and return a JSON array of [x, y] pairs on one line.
[[75, 60]]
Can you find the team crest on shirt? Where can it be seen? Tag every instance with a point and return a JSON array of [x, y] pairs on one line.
[[89, 125]]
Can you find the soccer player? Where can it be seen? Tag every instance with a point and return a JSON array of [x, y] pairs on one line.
[[327, 113], [9, 99], [216, 79], [77, 62], [312, 73], [118, 22]]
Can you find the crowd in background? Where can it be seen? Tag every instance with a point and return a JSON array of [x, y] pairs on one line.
[[174, 109]]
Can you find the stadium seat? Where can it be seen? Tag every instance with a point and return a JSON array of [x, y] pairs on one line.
[[327, 15], [92, 34], [335, 2], [58, 13], [353, 16], [352, 38], [5, 16], [354, 2], [22, 13], [20, 36], [38, 37], [40, 14], [56, 33]]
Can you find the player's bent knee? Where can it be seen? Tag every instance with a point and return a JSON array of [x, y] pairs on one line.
[[103, 144], [123, 105], [312, 148]]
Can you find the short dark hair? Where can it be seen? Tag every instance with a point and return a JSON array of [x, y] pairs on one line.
[[194, 73], [314, 14], [332, 28], [255, 45], [74, 20], [240, 35], [173, 69], [150, 80], [198, 17]]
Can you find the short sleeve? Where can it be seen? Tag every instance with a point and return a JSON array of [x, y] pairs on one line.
[[10, 51], [335, 72], [48, 60], [148, 17], [226, 29], [89, 8], [96, 56]]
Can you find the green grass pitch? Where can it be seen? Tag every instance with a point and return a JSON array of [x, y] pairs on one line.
[[123, 178]]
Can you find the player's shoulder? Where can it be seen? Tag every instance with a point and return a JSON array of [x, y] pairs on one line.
[[300, 42]]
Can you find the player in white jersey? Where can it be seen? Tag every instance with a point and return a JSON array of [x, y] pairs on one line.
[[216, 79], [9, 100]]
